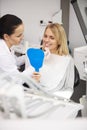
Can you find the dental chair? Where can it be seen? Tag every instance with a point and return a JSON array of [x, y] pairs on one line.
[[77, 77]]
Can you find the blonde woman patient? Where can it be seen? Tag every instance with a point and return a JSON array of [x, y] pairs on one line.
[[57, 73]]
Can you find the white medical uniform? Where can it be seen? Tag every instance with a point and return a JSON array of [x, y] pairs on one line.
[[8, 62]]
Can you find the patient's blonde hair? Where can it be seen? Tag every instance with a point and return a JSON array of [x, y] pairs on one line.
[[60, 37]]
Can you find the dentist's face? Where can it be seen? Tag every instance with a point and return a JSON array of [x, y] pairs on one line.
[[49, 41], [16, 37]]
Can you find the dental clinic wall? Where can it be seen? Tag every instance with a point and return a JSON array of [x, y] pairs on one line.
[[76, 37], [31, 12]]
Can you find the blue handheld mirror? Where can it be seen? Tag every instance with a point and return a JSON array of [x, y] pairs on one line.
[[36, 57]]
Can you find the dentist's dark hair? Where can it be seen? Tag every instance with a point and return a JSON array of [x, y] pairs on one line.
[[8, 24]]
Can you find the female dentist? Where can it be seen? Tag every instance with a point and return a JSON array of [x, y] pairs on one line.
[[11, 33]]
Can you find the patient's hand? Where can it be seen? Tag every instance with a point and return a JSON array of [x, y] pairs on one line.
[[36, 76]]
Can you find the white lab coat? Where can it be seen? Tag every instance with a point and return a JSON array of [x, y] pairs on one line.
[[8, 62]]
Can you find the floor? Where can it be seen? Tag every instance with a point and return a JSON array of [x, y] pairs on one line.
[[78, 92]]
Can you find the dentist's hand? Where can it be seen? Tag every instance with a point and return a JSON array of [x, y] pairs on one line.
[[36, 76]]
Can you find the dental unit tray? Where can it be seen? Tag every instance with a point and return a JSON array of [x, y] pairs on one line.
[[34, 103]]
